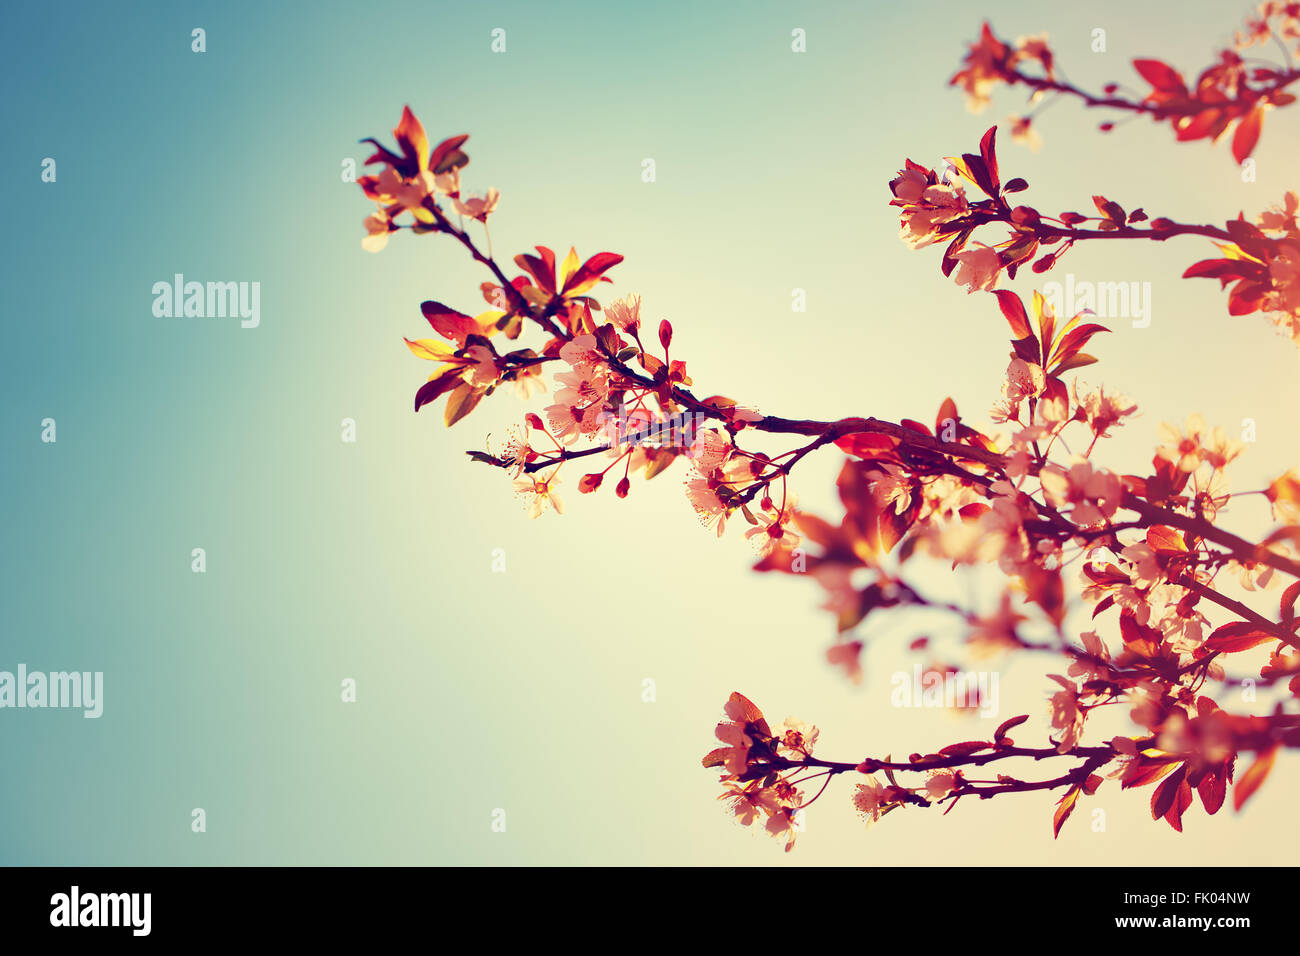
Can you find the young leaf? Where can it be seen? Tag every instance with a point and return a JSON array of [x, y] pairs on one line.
[[1247, 134], [1253, 777], [462, 402], [1237, 636], [1161, 75], [1063, 810]]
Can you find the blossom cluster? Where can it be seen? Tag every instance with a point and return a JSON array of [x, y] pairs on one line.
[[1234, 92], [1262, 263], [1028, 494], [1260, 260]]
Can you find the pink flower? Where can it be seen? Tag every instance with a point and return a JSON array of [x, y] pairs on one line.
[[1253, 575], [1184, 450], [582, 353], [568, 422], [1281, 218], [528, 380], [892, 488], [378, 226], [997, 631], [1023, 132], [732, 733], [625, 313], [1095, 494], [476, 208], [910, 185], [538, 494], [516, 452], [1218, 449], [1144, 570], [847, 655], [1024, 380], [391, 187], [1066, 715], [1104, 411], [869, 798], [782, 823], [747, 802], [582, 386], [986, 67], [482, 365], [939, 204], [773, 533], [709, 507], [978, 267], [709, 450], [796, 738], [1209, 493], [1092, 666], [940, 784]]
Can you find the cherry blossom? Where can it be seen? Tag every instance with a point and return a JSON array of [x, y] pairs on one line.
[[1055, 518]]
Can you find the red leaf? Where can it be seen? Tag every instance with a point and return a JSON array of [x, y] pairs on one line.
[[461, 402], [1145, 771], [541, 267], [1161, 75], [448, 322], [1246, 297], [1212, 789], [1162, 798], [1063, 810], [1182, 800], [739, 703], [591, 269], [411, 137], [716, 758], [430, 391], [1076, 339], [1007, 725], [1014, 310], [989, 155], [1247, 134], [1198, 126], [1027, 349], [448, 155], [1044, 587], [1238, 636], [1248, 236], [869, 445], [1165, 540], [947, 412], [1253, 777], [1214, 269], [1288, 605]]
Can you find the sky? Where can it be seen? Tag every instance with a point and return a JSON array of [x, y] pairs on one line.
[[372, 561]]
